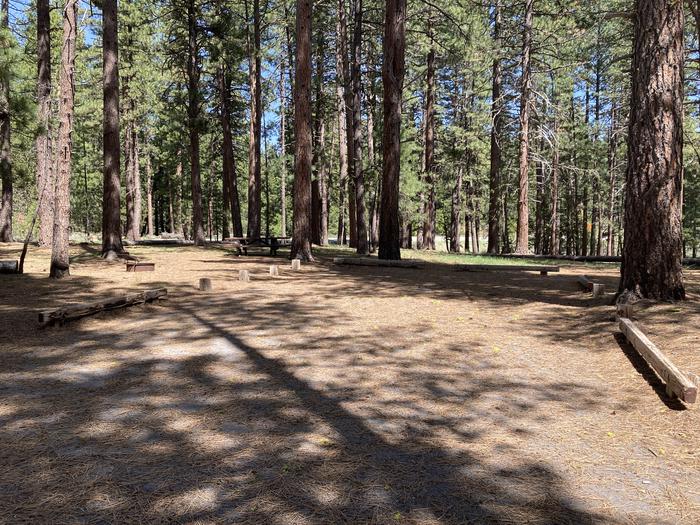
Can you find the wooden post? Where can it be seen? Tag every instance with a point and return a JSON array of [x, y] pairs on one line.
[[244, 276], [598, 289], [296, 264], [205, 284], [274, 270]]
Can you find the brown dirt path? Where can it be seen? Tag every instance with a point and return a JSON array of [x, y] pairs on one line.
[[338, 395]]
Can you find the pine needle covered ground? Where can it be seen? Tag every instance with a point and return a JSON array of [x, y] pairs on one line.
[[338, 395]]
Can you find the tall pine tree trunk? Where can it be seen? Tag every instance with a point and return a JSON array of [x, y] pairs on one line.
[[429, 153], [456, 212], [44, 173], [301, 241], [283, 149], [612, 160], [652, 254], [254, 80], [496, 130], [193, 124], [521, 243], [231, 205], [554, 247], [111, 211], [393, 70], [342, 79], [358, 171], [60, 260], [5, 144], [149, 194]]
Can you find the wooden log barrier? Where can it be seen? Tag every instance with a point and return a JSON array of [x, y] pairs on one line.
[[9, 266], [544, 270], [596, 289], [76, 311], [367, 261], [677, 383]]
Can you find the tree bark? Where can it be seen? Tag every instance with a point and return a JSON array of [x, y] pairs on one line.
[[521, 243], [301, 241], [193, 97], [44, 173], [456, 212], [429, 152], [392, 79], [496, 131], [149, 194], [5, 144], [358, 171], [652, 253], [111, 207], [254, 175], [612, 160], [60, 260], [133, 181], [342, 78], [231, 203], [283, 149], [554, 186]]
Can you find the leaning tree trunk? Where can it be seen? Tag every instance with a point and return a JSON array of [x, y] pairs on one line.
[[60, 261], [5, 144], [111, 220], [392, 79], [521, 243], [44, 173], [652, 253], [254, 176], [192, 124], [496, 131], [301, 241]]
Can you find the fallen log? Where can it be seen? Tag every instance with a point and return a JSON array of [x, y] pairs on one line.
[[366, 261], [677, 383], [544, 270], [595, 288], [9, 267], [76, 311], [689, 261]]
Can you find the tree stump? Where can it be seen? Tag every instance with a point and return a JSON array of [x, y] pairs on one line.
[[296, 264], [205, 284], [274, 270], [598, 289], [244, 276], [625, 310]]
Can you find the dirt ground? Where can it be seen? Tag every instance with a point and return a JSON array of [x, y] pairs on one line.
[[338, 395]]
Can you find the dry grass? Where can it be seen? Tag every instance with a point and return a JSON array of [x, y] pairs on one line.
[[337, 395]]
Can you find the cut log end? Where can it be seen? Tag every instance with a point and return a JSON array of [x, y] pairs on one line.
[[274, 270], [244, 276], [296, 264], [205, 284]]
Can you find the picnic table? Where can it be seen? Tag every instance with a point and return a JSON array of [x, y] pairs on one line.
[[242, 244]]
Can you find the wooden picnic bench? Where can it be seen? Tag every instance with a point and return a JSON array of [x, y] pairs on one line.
[[242, 244]]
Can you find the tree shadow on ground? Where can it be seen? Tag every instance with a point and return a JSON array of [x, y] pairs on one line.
[[205, 412]]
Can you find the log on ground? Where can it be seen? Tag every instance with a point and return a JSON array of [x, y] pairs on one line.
[[9, 266], [366, 261], [677, 383], [505, 268], [76, 311]]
